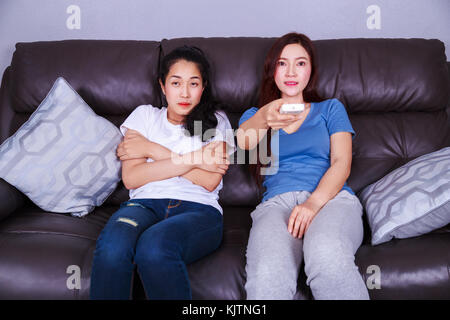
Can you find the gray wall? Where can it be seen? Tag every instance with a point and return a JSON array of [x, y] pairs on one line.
[[35, 20]]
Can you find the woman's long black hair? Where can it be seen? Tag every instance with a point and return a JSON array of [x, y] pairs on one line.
[[269, 90], [207, 107]]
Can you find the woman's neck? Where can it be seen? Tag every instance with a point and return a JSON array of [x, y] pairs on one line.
[[174, 118], [293, 99]]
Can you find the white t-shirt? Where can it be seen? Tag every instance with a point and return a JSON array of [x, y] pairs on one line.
[[152, 123]]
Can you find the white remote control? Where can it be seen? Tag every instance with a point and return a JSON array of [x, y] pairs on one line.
[[292, 108]]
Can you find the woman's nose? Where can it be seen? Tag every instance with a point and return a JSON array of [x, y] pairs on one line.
[[290, 72], [185, 92]]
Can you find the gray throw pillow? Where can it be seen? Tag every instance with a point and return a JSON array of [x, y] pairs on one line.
[[411, 200], [64, 157]]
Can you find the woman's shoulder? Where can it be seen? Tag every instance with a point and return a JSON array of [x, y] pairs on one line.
[[328, 105], [147, 108], [247, 114], [147, 111], [140, 118], [251, 110], [221, 115], [222, 119], [329, 102]]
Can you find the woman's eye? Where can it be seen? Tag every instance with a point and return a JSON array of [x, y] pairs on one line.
[[281, 63], [194, 84], [301, 63], [175, 83]]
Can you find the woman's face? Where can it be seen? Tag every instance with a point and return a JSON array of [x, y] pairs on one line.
[[183, 89], [292, 72]]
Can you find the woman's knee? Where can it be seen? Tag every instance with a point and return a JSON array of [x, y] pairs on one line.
[[112, 253], [325, 254], [152, 250], [116, 241]]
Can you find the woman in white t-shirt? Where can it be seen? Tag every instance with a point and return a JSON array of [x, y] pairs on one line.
[[173, 159]]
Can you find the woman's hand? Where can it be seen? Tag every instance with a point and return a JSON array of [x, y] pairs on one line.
[[275, 119], [301, 217], [212, 157], [134, 146]]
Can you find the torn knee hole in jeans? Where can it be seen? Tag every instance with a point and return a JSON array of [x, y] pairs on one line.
[[134, 204], [129, 221]]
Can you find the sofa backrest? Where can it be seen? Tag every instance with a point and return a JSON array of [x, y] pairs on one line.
[[113, 77], [395, 91]]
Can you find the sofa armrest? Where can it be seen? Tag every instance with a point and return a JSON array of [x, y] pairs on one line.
[[11, 199]]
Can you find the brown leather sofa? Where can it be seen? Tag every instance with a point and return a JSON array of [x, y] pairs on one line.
[[396, 92]]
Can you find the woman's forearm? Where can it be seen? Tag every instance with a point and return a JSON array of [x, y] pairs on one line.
[[158, 152], [252, 131], [329, 186], [206, 179], [140, 174]]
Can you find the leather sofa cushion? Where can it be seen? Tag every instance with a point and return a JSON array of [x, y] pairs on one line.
[[112, 76], [415, 268], [384, 75]]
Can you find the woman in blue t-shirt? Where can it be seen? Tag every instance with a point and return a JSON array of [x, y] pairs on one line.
[[307, 211]]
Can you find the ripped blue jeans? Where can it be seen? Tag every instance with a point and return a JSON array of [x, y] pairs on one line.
[[159, 236]]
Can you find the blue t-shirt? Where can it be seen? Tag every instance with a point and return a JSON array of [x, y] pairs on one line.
[[304, 155]]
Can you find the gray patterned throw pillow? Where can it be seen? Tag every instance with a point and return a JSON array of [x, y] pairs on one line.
[[64, 157], [411, 200]]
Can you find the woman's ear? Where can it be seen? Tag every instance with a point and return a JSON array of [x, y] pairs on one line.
[[162, 86]]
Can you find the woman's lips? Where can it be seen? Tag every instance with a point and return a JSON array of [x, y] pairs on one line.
[[184, 104], [290, 83]]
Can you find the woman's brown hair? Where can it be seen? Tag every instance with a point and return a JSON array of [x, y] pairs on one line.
[[269, 90]]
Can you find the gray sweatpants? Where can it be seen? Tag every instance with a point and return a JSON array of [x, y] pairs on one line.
[[328, 247]]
